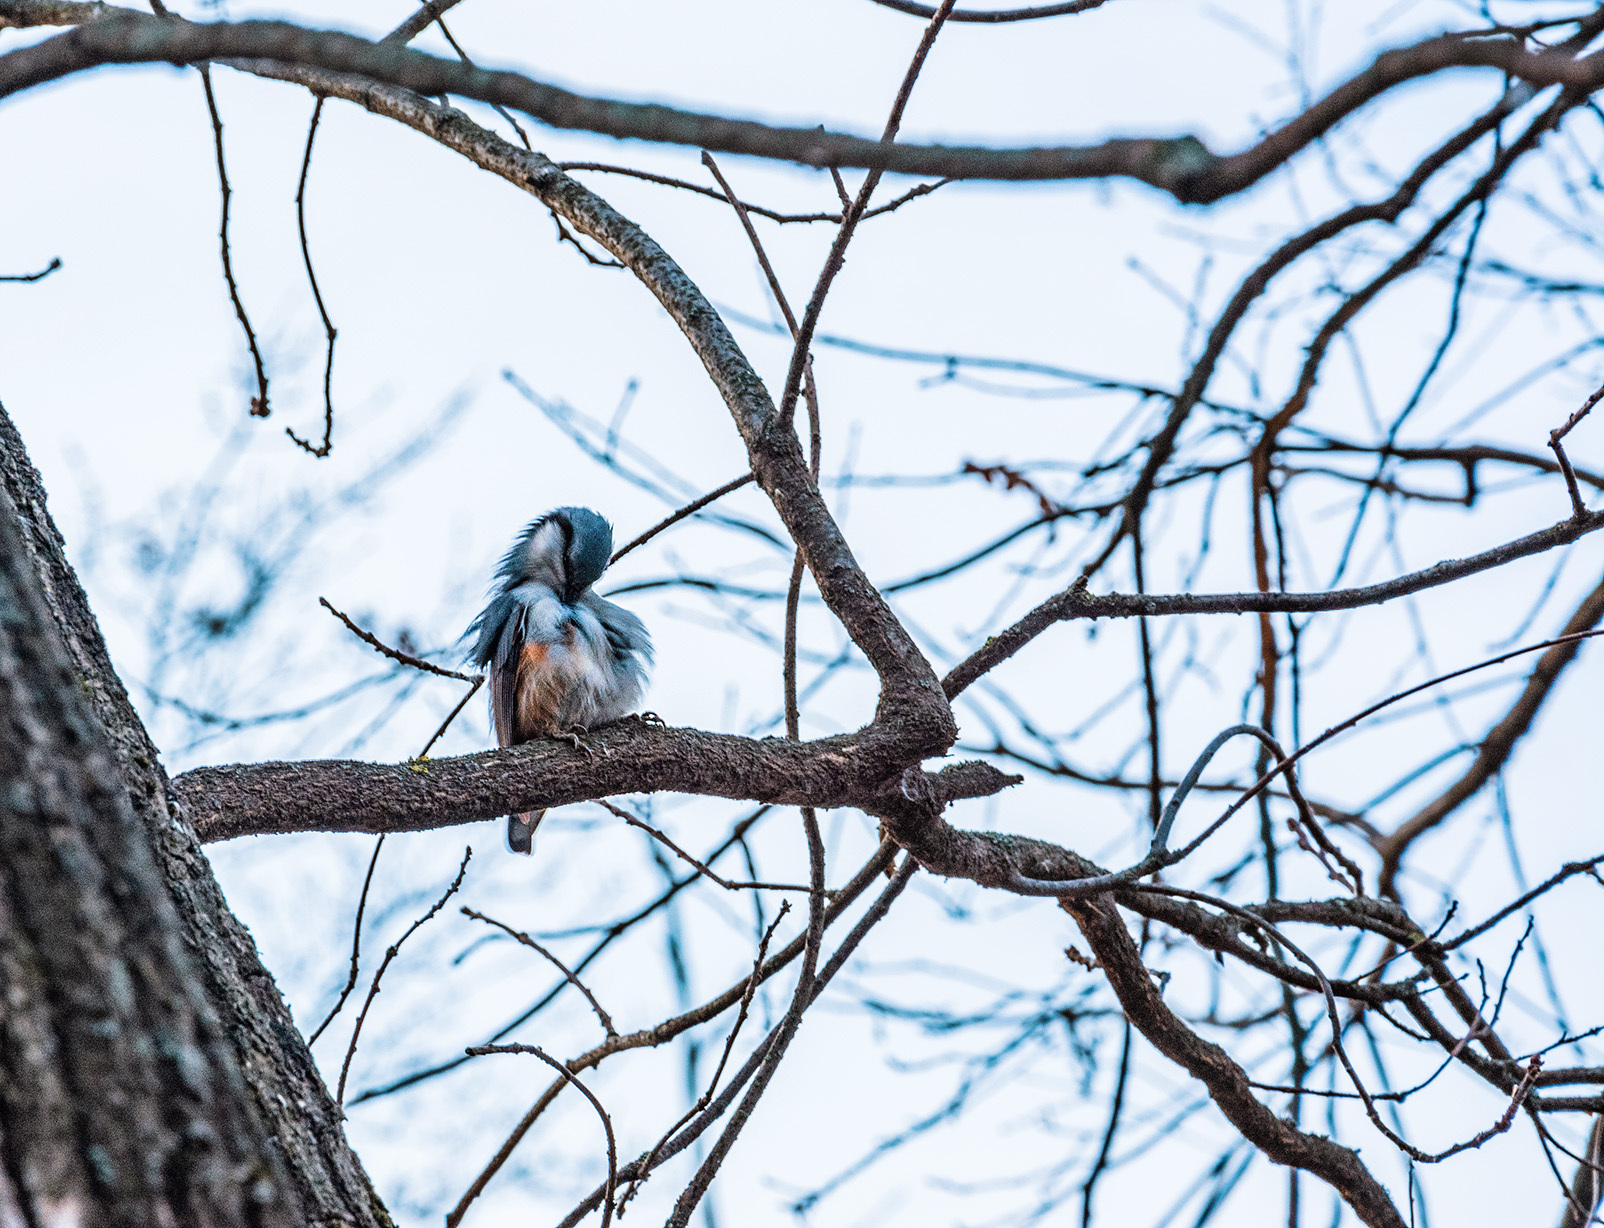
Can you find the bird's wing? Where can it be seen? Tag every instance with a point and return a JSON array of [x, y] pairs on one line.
[[500, 636]]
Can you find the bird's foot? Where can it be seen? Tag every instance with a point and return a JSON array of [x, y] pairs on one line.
[[575, 736], [651, 718]]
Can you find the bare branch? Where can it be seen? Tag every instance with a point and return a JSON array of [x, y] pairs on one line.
[[356, 944], [395, 654], [1182, 167], [995, 16], [390, 953], [1076, 602], [526, 940], [259, 407], [690, 509], [329, 331], [607, 1122], [55, 263], [1499, 744], [700, 867], [1227, 1084], [1554, 438], [420, 21]]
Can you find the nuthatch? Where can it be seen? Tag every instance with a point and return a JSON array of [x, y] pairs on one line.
[[561, 659]]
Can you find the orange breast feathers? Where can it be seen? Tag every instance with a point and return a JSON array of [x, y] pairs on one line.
[[537, 693]]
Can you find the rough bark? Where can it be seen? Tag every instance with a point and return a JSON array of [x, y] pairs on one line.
[[149, 1069], [244, 799]]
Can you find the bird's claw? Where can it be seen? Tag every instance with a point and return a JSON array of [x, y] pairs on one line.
[[651, 718], [575, 736]]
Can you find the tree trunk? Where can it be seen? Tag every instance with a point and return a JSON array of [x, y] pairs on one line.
[[150, 1072]]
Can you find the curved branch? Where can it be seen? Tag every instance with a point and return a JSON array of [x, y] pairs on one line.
[[1182, 166], [912, 709], [995, 16]]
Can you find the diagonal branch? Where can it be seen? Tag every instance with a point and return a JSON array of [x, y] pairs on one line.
[[1498, 745], [1227, 1083], [912, 710]]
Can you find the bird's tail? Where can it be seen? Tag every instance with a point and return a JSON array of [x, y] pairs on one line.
[[521, 831]]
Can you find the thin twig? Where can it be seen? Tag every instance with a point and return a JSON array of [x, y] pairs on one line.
[[395, 654], [259, 406], [852, 215], [1568, 870], [808, 986], [669, 181], [330, 332], [913, 193], [723, 1061], [356, 944], [389, 957], [479, 681], [690, 509], [670, 1028], [607, 1123], [995, 16], [1577, 506], [55, 263], [564, 235], [751, 234], [760, 1056], [840, 189], [419, 21], [1076, 888], [526, 940], [700, 867]]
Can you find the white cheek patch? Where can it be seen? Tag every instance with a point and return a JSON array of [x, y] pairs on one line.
[[544, 551]]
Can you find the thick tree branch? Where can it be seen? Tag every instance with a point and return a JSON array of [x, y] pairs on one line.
[[633, 757], [1180, 166]]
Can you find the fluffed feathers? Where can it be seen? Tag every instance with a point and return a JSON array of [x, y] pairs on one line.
[[559, 656]]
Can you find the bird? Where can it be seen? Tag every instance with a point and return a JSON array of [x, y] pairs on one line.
[[562, 660]]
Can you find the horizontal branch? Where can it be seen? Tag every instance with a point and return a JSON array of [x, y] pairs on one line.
[[629, 757], [1181, 166], [330, 795], [1076, 602]]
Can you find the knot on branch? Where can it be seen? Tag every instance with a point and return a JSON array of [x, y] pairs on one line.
[[1180, 166]]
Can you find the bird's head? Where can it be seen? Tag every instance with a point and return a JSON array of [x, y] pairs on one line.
[[568, 549], [588, 551]]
